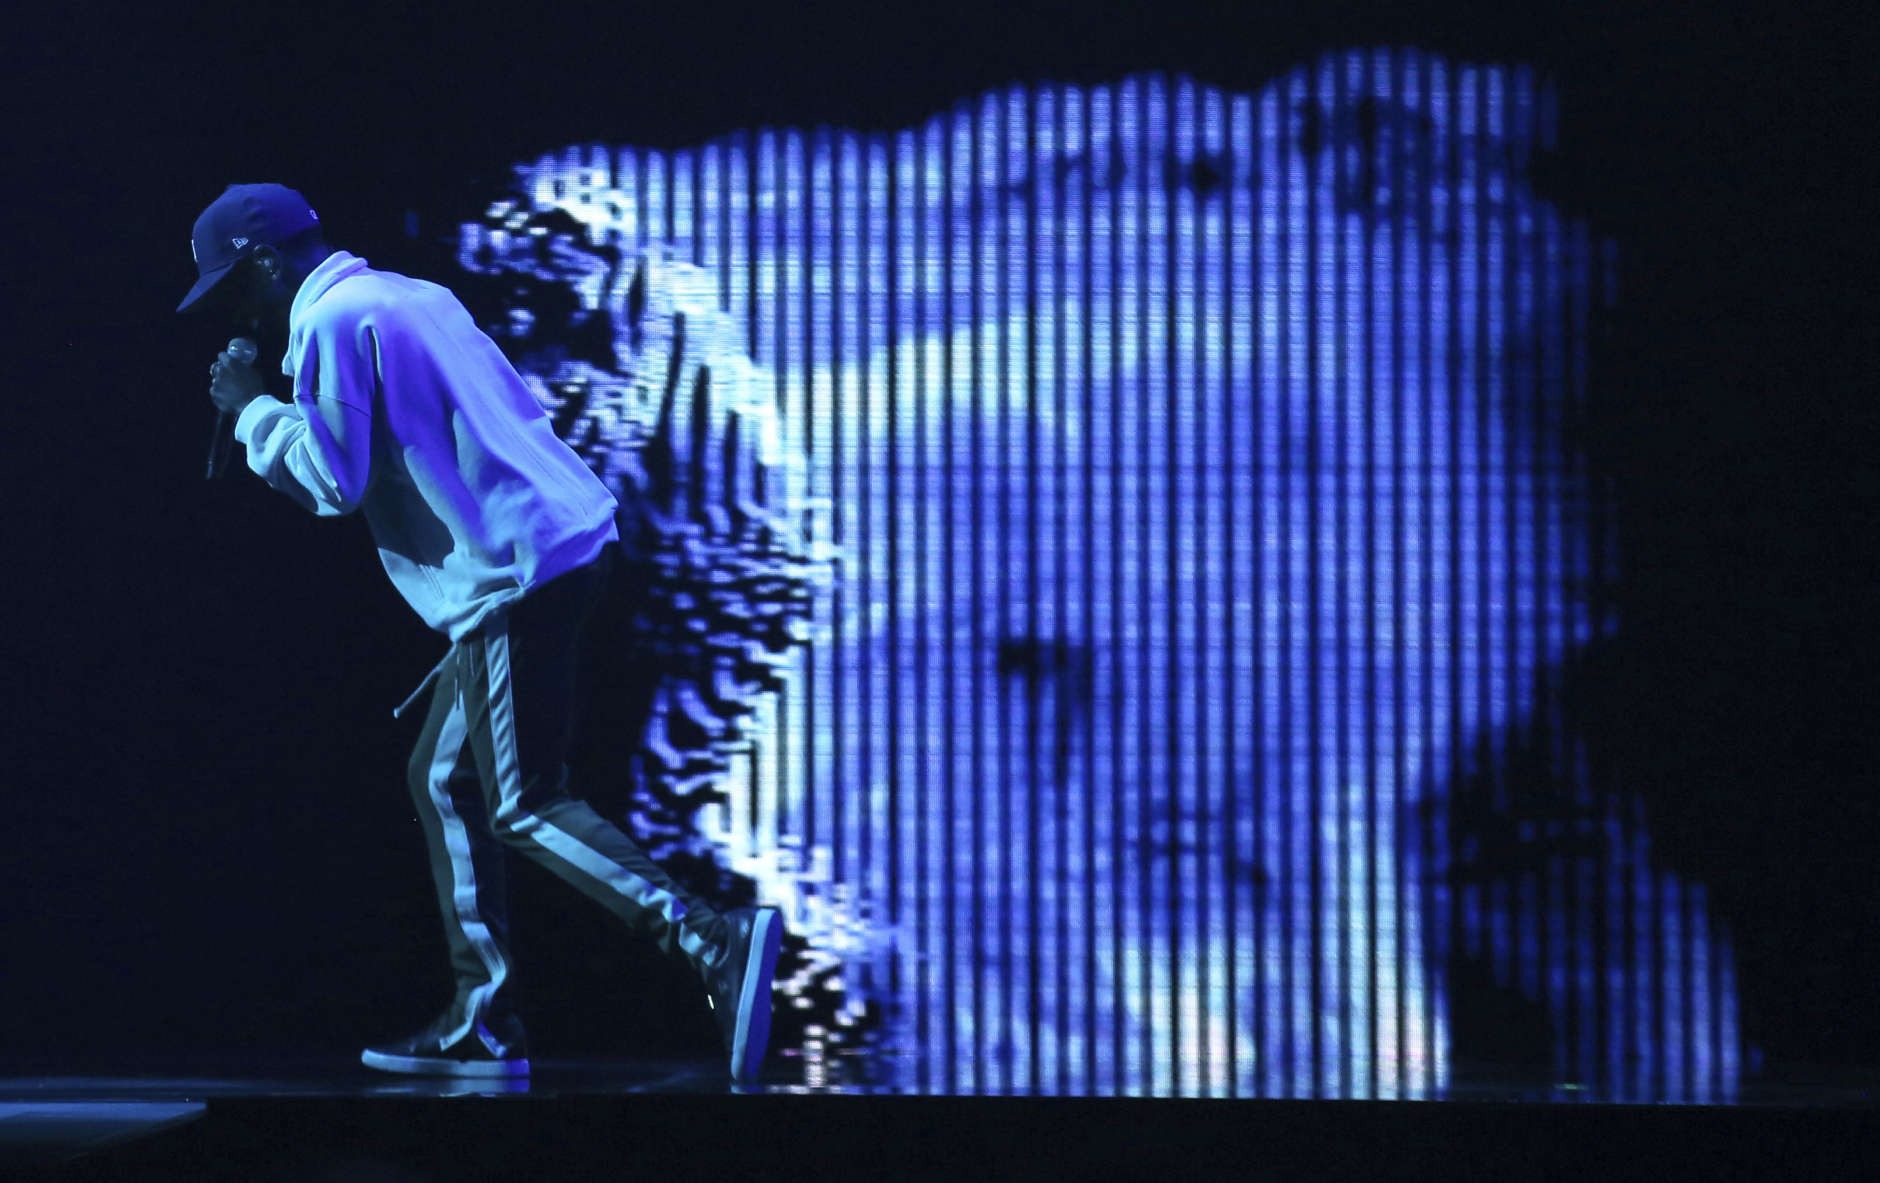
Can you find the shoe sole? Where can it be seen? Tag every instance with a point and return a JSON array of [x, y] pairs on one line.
[[437, 1066], [752, 1035]]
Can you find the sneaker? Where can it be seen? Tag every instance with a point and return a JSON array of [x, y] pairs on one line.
[[739, 989], [476, 1053]]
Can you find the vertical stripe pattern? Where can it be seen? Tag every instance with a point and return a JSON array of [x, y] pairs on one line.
[[1213, 548]]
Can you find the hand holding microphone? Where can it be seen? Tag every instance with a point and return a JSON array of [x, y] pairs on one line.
[[233, 384]]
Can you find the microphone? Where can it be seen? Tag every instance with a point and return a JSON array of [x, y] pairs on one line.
[[221, 438]]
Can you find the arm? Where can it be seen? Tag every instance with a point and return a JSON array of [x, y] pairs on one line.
[[318, 449]]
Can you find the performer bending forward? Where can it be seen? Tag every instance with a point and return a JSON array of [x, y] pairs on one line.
[[500, 538]]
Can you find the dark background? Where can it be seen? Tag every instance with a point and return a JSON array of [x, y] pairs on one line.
[[207, 846]]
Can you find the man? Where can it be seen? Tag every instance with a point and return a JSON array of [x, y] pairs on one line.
[[500, 538]]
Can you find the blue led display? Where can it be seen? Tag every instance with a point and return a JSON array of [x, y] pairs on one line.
[[1119, 550]]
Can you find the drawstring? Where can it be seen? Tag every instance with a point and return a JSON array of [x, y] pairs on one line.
[[493, 612], [429, 680]]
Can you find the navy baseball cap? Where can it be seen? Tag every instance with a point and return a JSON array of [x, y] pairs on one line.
[[245, 216]]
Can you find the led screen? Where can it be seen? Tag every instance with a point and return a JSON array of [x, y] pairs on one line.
[[1111, 555]]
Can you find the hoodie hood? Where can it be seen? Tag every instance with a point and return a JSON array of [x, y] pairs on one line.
[[319, 281]]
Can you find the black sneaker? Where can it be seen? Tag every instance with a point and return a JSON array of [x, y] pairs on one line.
[[477, 1052], [739, 989]]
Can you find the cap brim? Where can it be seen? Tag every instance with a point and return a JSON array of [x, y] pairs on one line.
[[208, 280]]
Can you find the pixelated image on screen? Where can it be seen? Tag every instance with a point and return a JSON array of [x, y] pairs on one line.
[[1112, 554]]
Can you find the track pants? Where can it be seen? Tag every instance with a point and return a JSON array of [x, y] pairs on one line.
[[488, 773]]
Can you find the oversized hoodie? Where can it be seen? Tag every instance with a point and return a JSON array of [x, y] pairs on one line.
[[406, 411]]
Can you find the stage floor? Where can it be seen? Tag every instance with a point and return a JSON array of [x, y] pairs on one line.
[[149, 1118]]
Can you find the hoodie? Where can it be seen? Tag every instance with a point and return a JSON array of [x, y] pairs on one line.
[[407, 412]]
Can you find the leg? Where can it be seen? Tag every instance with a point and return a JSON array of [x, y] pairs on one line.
[[518, 687], [479, 1033], [518, 675]]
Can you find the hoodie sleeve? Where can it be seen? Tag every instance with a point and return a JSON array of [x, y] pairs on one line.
[[318, 449]]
